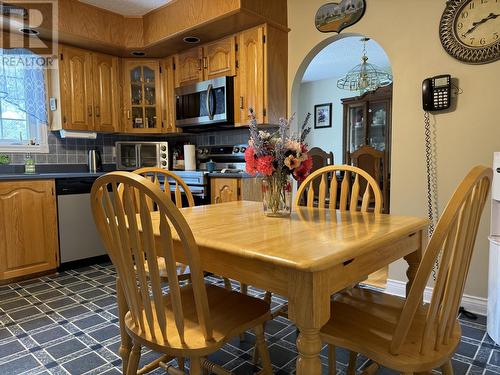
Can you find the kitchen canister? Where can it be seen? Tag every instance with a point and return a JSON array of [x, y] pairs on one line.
[[189, 157]]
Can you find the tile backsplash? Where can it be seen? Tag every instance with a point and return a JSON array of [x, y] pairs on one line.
[[74, 151]]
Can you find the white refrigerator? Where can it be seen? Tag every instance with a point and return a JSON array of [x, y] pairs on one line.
[[494, 267]]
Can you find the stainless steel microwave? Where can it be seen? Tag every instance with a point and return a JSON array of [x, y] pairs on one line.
[[205, 103], [134, 155]]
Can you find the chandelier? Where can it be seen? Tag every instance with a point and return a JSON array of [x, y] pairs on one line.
[[365, 76]]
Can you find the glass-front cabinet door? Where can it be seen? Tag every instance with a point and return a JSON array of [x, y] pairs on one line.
[[377, 124], [142, 92], [357, 126]]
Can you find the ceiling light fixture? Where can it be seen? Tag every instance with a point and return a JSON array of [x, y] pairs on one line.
[[28, 31], [365, 76], [191, 39], [138, 53]]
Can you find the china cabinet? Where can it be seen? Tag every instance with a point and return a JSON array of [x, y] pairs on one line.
[[367, 122], [142, 96]]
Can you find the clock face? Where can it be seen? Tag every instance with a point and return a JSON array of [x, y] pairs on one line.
[[477, 23], [470, 30]]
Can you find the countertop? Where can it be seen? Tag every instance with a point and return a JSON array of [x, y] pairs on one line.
[[47, 176], [60, 172]]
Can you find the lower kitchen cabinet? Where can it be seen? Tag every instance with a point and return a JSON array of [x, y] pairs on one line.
[[224, 189], [28, 228]]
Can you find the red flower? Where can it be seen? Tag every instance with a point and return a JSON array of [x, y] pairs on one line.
[[265, 165], [250, 161], [303, 170]]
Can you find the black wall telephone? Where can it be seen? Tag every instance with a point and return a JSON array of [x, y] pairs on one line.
[[436, 93]]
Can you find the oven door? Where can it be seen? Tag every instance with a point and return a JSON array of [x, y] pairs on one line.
[[127, 156], [208, 102], [149, 155]]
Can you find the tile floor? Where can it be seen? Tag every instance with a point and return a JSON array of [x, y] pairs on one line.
[[67, 324]]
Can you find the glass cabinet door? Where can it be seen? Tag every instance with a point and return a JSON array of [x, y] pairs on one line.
[[377, 117], [357, 126], [142, 114]]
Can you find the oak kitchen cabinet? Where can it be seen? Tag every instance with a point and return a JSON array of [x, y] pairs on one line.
[[261, 75], [142, 96], [168, 83], [88, 89], [212, 60], [28, 228], [224, 189]]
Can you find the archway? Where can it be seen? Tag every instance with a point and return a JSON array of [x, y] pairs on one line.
[[351, 114]]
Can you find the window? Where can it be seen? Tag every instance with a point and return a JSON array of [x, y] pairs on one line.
[[23, 102]]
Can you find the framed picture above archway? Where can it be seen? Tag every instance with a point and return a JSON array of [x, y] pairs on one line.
[[336, 16]]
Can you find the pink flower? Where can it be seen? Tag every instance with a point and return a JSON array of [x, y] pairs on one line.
[[303, 170], [250, 161], [265, 165], [292, 162]]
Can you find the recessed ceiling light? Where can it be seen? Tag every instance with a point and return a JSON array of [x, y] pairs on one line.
[[191, 39], [138, 53], [29, 31]]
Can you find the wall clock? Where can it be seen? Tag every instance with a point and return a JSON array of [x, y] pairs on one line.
[[470, 30]]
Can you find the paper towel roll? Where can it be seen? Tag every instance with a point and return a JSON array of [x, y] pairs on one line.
[[189, 157]]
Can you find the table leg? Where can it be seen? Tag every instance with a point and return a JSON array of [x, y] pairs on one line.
[[414, 259], [126, 341], [309, 309]]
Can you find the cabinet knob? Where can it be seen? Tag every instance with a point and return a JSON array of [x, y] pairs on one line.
[[200, 64], [89, 110], [128, 115], [97, 111], [205, 62]]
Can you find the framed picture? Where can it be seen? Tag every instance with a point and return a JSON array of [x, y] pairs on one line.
[[323, 116], [336, 16]]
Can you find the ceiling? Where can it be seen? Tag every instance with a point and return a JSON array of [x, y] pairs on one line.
[[129, 8], [336, 59]]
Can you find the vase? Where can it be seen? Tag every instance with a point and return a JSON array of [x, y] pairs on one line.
[[276, 195]]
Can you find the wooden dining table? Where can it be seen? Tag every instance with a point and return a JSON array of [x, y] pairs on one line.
[[306, 257]]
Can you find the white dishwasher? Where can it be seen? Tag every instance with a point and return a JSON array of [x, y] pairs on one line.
[[78, 236]]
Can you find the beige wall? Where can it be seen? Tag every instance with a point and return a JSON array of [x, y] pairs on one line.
[[408, 31]]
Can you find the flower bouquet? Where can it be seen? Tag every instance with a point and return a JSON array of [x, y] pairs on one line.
[[276, 156]]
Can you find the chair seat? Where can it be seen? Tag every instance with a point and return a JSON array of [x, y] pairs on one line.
[[182, 269], [364, 320], [231, 314]]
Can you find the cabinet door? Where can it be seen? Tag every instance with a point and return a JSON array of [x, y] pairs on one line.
[[250, 75], [219, 58], [356, 126], [377, 124], [28, 229], [224, 190], [106, 97], [168, 96], [76, 89], [188, 67], [142, 105]]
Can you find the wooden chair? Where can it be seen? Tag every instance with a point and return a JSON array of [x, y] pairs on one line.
[[191, 321], [404, 334], [350, 191], [371, 160]]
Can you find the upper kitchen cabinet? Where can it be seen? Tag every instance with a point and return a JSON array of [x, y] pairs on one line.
[[189, 67], [142, 96], [219, 58], [168, 82], [88, 88], [261, 75], [212, 60], [28, 230]]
